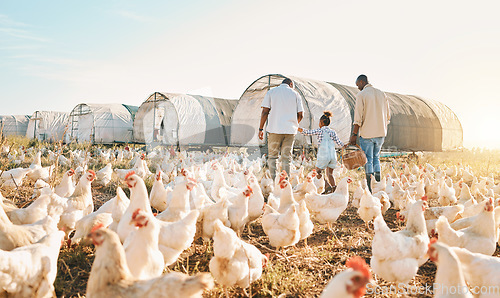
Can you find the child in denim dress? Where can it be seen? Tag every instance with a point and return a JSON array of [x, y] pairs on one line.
[[327, 156]]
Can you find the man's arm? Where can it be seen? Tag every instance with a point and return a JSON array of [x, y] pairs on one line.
[[354, 135], [300, 116], [388, 110], [300, 108], [263, 119]]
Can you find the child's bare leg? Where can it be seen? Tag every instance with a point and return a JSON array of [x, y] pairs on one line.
[[319, 175], [318, 171], [329, 176]]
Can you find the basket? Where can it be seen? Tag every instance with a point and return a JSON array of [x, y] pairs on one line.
[[353, 159]]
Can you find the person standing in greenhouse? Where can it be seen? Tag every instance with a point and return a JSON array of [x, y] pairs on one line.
[[282, 108], [371, 117]]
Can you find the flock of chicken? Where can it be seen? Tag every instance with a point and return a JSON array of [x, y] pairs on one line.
[[217, 196]]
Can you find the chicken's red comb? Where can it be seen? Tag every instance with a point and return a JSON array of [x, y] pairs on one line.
[[129, 174], [97, 227], [424, 198], [92, 172], [136, 212], [357, 263]]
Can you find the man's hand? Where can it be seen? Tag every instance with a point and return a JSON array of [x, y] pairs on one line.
[[352, 140], [261, 135], [300, 129]]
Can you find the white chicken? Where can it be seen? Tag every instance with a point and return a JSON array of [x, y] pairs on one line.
[[41, 187], [307, 187], [235, 262], [327, 208], [220, 188], [378, 186], [282, 229], [37, 161], [267, 183], [384, 200], [86, 223], [104, 175], [479, 270], [255, 201], [138, 200], [34, 212], [350, 283], [306, 225], [30, 271], [179, 205], [358, 193], [144, 242], [208, 216], [396, 256], [111, 277], [175, 237], [318, 182], [79, 204], [120, 204], [432, 214], [465, 194], [41, 173], [369, 207], [13, 236], [14, 178], [449, 274], [446, 193], [158, 195], [66, 187], [480, 237], [286, 197], [238, 210]]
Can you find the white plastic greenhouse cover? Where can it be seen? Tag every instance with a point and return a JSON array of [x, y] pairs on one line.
[[47, 125], [182, 119], [101, 123], [416, 123], [14, 125], [317, 97]]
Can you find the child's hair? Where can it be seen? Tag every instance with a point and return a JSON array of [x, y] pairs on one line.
[[326, 118]]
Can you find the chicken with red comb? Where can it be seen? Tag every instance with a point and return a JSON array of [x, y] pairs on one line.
[[350, 282]]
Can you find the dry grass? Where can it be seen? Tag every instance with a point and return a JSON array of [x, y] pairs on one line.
[[294, 272]]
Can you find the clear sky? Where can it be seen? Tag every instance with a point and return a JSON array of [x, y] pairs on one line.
[[56, 54]]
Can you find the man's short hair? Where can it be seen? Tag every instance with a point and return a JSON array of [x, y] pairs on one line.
[[362, 78], [287, 81]]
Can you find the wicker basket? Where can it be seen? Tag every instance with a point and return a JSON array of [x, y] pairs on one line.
[[353, 159]]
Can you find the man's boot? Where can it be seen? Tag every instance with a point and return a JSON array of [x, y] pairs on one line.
[[369, 180], [377, 176]]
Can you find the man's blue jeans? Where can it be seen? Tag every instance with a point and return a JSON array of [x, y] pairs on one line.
[[372, 148]]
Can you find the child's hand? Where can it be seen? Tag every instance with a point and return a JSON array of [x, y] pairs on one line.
[[300, 129]]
